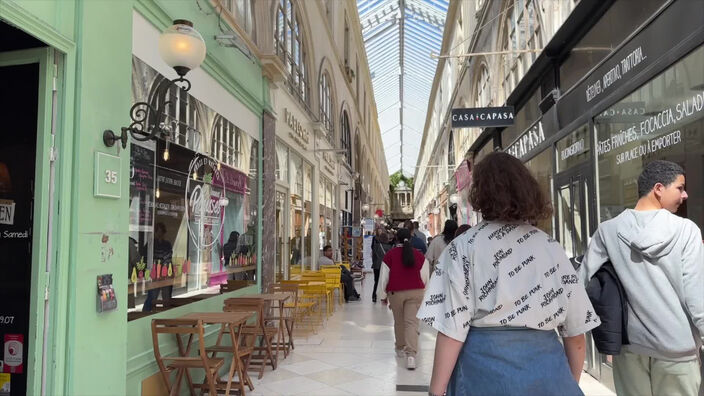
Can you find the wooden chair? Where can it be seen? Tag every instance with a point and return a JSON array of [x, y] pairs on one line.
[[243, 352], [259, 335], [290, 313], [184, 362]]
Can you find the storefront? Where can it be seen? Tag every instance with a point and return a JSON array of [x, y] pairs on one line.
[[306, 188], [640, 102], [193, 200]]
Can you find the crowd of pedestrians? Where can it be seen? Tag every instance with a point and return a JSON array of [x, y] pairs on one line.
[[511, 309]]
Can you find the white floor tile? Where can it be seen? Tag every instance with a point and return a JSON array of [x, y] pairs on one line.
[[308, 367], [294, 386], [354, 355]]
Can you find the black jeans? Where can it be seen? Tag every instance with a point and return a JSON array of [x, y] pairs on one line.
[[348, 281], [376, 282]]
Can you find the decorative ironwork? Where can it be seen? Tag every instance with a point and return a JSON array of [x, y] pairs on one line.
[[141, 129]]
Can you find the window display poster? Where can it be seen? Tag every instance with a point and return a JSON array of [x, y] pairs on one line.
[[13, 353], [367, 252]]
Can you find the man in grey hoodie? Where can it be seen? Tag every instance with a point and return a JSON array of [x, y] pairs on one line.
[[659, 258]]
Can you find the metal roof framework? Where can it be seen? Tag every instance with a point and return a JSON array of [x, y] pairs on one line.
[[399, 36]]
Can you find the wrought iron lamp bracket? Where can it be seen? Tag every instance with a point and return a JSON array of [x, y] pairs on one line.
[[139, 128]]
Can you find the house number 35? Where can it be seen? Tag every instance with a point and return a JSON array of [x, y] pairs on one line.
[[111, 176]]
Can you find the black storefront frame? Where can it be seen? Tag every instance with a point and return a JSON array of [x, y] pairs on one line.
[[678, 50]]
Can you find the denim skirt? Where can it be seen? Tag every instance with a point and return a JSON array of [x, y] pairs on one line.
[[512, 361]]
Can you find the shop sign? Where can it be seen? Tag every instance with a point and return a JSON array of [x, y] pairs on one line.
[[299, 134], [572, 150], [203, 208], [671, 28], [7, 212], [527, 142], [482, 117], [107, 176], [234, 180], [645, 133], [616, 70]]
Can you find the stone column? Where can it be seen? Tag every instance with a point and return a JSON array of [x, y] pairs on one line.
[[268, 200]]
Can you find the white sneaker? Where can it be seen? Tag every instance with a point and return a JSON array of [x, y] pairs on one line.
[[411, 363], [400, 353]]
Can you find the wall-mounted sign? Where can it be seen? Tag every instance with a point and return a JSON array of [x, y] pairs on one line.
[[528, 141], [300, 134], [107, 176], [7, 212], [482, 117]]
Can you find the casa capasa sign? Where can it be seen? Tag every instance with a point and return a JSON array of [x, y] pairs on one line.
[[483, 117], [527, 142], [298, 132]]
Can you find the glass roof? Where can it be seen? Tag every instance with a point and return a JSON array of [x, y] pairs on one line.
[[399, 36]]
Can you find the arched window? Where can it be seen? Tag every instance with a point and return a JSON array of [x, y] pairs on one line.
[[326, 105], [180, 113], [345, 142], [522, 33], [483, 98], [290, 47], [225, 142]]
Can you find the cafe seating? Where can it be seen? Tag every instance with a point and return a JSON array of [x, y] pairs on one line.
[[259, 335], [290, 313], [183, 362]]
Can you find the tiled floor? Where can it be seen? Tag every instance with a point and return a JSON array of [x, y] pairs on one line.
[[354, 355]]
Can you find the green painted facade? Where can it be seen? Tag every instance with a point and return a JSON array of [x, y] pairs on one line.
[[90, 353]]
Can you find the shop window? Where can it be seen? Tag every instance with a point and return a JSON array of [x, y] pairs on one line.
[[662, 120], [281, 163], [192, 217], [326, 106], [290, 47], [225, 142]]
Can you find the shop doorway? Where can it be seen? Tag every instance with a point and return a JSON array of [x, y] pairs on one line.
[[26, 179], [575, 217], [282, 216]]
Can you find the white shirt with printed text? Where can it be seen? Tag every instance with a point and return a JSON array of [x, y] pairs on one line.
[[500, 274]]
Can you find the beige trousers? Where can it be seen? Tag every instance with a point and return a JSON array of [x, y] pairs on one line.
[[641, 375], [404, 305]]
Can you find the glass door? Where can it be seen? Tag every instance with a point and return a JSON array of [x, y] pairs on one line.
[[575, 221], [281, 235]]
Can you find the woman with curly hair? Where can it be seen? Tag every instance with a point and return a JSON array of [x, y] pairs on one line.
[[499, 292]]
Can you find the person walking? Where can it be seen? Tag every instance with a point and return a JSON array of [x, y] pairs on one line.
[[416, 242], [659, 259], [404, 273], [500, 290], [380, 245], [440, 242]]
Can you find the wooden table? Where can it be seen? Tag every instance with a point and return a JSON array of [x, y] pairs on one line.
[[270, 297], [231, 321]]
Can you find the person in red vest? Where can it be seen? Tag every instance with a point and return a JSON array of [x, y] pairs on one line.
[[404, 273]]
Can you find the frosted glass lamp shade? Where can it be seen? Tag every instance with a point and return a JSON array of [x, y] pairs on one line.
[[182, 47]]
